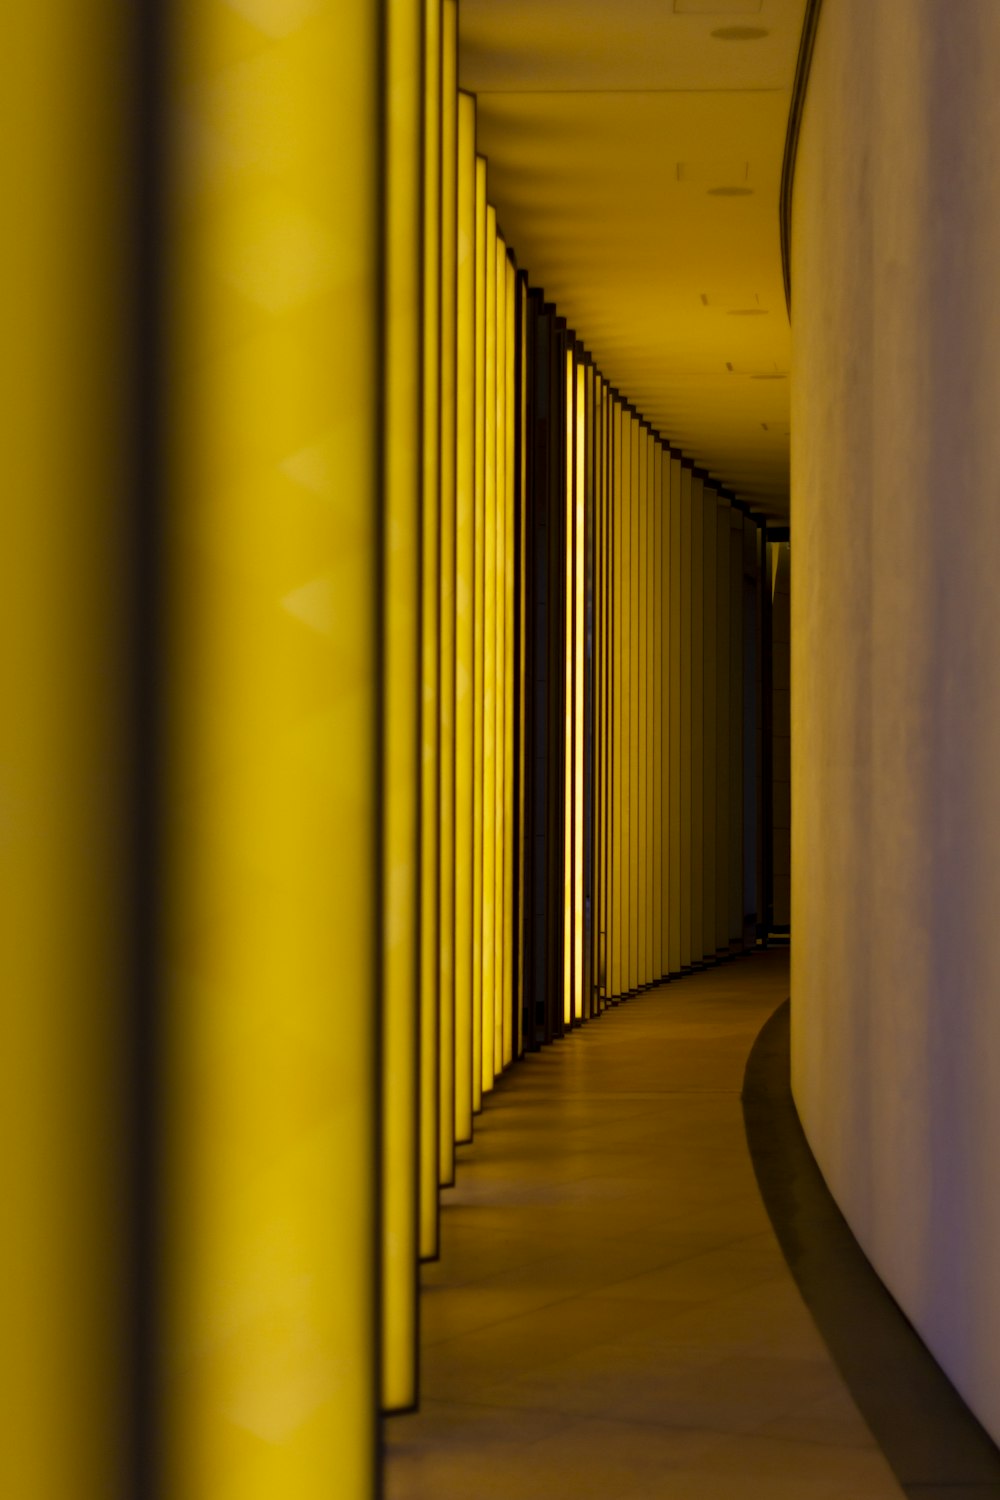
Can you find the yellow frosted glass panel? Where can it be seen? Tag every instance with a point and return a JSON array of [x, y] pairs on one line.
[[465, 590], [709, 509], [65, 644], [697, 720], [510, 489], [270, 905], [578, 724], [685, 715], [429, 826], [479, 635], [446, 747], [500, 959], [568, 699], [674, 736], [401, 771], [636, 740], [521, 503], [490, 659]]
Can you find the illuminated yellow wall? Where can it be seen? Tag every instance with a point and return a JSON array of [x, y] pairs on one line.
[[272, 565]]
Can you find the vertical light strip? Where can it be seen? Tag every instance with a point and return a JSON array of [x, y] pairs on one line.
[[66, 875], [648, 554], [270, 1174], [479, 629], [737, 893], [636, 741], [676, 735], [628, 605], [522, 662], [569, 697], [510, 967], [500, 958], [710, 759], [401, 763], [489, 657], [724, 833], [668, 892], [446, 864], [616, 817], [697, 720], [685, 685], [656, 717], [578, 714], [430, 672], [642, 647], [600, 697], [465, 608]]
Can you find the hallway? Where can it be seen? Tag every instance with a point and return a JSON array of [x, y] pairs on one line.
[[611, 1315]]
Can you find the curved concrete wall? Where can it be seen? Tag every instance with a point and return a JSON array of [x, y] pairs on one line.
[[896, 655]]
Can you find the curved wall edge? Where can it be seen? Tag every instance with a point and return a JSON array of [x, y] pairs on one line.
[[896, 656]]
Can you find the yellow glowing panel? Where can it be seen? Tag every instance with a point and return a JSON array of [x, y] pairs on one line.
[[635, 721], [709, 719], [724, 839], [697, 720], [618, 818], [465, 565], [267, 1239], [500, 693], [652, 707], [656, 708], [578, 724], [603, 720], [686, 629], [489, 658], [663, 722], [67, 902], [674, 736], [510, 416], [446, 746], [401, 781], [740, 526], [429, 827], [521, 666], [568, 760], [479, 627], [639, 698]]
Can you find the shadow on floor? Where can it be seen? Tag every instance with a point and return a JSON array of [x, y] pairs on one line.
[[935, 1446]]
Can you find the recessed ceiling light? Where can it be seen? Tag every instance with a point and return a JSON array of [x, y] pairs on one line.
[[739, 33], [731, 192]]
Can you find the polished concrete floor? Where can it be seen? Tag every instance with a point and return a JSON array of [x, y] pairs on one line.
[[611, 1315]]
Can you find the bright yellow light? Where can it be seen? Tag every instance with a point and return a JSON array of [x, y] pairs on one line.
[[268, 1243], [568, 688], [578, 726], [500, 956], [489, 657], [430, 830], [401, 604], [480, 604], [521, 668], [446, 745], [465, 562], [510, 417]]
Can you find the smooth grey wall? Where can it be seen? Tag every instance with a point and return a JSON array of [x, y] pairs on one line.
[[896, 655]]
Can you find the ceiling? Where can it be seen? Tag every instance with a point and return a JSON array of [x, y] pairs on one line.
[[635, 163]]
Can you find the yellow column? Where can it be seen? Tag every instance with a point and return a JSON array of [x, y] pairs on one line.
[[686, 624], [401, 734], [616, 814], [579, 537], [697, 720], [271, 755], [724, 829], [675, 731], [465, 604], [521, 502], [709, 508], [479, 637], [67, 881], [636, 833], [659, 737], [489, 658], [642, 744], [430, 1119], [500, 956], [569, 622], [511, 956]]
